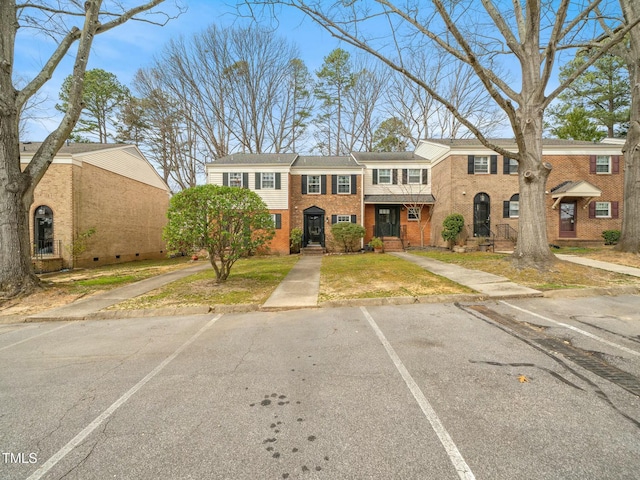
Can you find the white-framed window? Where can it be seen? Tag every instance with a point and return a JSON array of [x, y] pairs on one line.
[[268, 180], [235, 179], [480, 164], [513, 166], [413, 214], [384, 176], [514, 206], [603, 210], [313, 184], [344, 184], [603, 164], [343, 218], [414, 176]]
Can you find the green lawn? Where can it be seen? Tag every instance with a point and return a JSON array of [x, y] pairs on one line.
[[251, 281], [373, 275]]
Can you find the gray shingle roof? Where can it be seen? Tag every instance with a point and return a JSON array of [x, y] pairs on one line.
[[385, 156], [322, 161], [470, 142], [72, 148], [256, 159]]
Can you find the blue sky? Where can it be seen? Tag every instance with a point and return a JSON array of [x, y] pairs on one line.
[[133, 45]]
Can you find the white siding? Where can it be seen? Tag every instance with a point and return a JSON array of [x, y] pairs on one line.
[[399, 189], [275, 199]]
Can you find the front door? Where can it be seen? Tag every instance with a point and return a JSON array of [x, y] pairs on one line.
[[314, 228], [482, 215], [567, 219], [388, 221]]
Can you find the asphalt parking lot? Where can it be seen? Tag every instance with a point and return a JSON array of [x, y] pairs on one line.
[[521, 389]]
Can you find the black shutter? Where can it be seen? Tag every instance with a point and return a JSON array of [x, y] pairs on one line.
[[258, 180], [425, 176], [375, 176], [494, 164], [505, 209], [354, 219], [225, 179], [278, 181], [395, 176], [245, 180], [304, 184], [404, 176], [470, 164], [278, 221], [334, 184], [323, 184], [334, 219], [506, 169], [354, 184]]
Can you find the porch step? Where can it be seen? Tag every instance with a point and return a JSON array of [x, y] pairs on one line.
[[392, 244], [312, 250]]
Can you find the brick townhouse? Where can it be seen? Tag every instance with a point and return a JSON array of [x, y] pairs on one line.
[[583, 198], [403, 197], [107, 187]]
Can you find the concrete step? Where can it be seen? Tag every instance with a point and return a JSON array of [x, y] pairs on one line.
[[312, 250]]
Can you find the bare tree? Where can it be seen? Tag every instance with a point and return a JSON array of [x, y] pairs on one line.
[[70, 23], [531, 35]]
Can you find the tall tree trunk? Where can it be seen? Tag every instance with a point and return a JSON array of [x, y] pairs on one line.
[[15, 249], [630, 235]]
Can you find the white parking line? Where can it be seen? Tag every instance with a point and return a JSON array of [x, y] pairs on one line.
[[78, 439], [575, 329], [463, 470], [35, 336]]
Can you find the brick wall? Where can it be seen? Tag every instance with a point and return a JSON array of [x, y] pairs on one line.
[[128, 216], [332, 204], [280, 242], [455, 189]]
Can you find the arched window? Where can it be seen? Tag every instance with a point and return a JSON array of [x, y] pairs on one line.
[[43, 230], [514, 206]]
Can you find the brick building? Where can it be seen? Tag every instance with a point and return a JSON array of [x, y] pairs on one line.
[[403, 197], [107, 187], [584, 189]]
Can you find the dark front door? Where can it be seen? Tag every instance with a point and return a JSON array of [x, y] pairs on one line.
[[567, 220], [482, 215], [314, 228], [388, 221]]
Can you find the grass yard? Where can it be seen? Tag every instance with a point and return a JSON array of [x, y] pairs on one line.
[[562, 275], [378, 275], [251, 281]]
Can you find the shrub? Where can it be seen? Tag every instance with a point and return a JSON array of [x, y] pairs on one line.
[[295, 239], [451, 227], [611, 237], [347, 235]]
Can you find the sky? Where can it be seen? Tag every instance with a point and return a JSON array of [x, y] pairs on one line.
[[129, 47]]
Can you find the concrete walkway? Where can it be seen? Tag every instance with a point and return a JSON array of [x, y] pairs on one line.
[[485, 283], [82, 308], [611, 267], [299, 288]]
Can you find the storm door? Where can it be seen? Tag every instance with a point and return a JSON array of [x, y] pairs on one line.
[[388, 221], [313, 226], [482, 215], [567, 219]]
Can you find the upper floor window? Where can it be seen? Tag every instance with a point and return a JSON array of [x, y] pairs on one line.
[[481, 164], [384, 176], [414, 176], [511, 166], [268, 180], [344, 184], [235, 179], [313, 184], [603, 164]]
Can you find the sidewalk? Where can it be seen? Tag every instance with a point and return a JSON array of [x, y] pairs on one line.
[[611, 267], [83, 308], [299, 288], [485, 283]]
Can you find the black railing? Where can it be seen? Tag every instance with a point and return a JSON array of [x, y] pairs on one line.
[[506, 231], [46, 249]]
